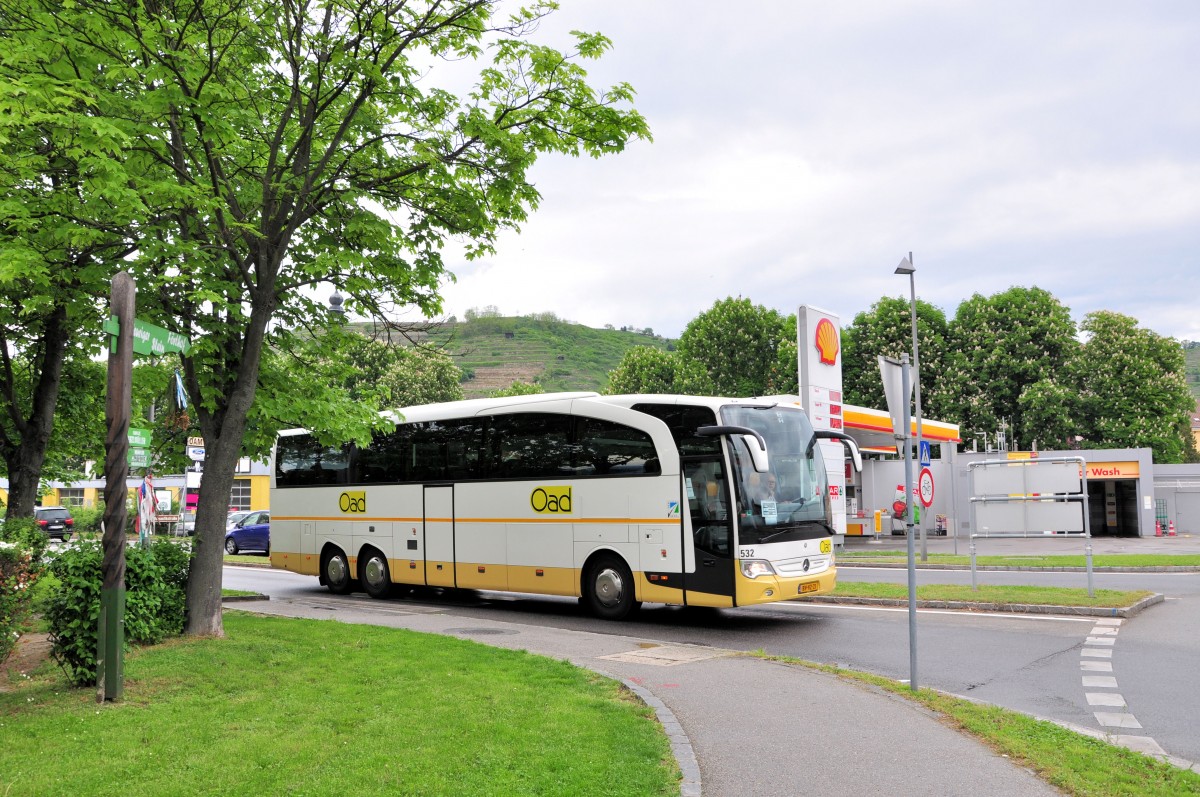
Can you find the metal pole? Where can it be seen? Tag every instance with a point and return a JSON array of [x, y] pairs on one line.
[[912, 285], [974, 580], [908, 520], [1087, 526], [111, 637]]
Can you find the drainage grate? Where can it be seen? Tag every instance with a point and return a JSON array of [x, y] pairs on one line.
[[668, 655]]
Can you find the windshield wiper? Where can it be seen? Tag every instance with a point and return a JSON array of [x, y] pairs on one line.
[[763, 538]]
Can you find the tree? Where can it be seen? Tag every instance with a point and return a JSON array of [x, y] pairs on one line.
[[66, 221], [517, 389], [277, 146], [999, 346], [886, 329], [644, 369], [731, 349], [1132, 388]]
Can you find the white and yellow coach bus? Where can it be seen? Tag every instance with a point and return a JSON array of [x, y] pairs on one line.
[[615, 499]]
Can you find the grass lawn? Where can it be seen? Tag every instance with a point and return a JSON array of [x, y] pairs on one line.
[[1079, 765], [308, 707], [1106, 560], [260, 559], [1044, 596]]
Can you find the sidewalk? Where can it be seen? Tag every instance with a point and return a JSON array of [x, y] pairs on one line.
[[740, 725], [1046, 545]]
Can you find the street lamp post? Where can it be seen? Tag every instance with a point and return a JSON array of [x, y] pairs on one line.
[[906, 267]]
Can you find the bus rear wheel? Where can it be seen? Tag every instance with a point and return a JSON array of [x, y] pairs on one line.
[[336, 569], [608, 588], [376, 578]]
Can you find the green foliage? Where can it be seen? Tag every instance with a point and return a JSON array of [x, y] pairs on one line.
[[1131, 385], [155, 580], [644, 369], [731, 349], [999, 346], [22, 545], [88, 519], [518, 389], [886, 329]]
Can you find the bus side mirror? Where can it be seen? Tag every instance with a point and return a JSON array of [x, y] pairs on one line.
[[754, 441], [758, 454]]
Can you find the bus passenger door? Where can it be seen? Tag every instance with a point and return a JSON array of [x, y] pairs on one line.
[[439, 536], [707, 493]]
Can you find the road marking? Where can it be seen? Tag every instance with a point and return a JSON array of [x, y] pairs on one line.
[[1141, 744], [1117, 720], [1109, 621], [1096, 653], [1103, 630], [1101, 640], [1105, 699], [1103, 681], [801, 606], [1096, 666]]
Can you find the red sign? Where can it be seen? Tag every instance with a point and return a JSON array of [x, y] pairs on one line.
[[826, 340]]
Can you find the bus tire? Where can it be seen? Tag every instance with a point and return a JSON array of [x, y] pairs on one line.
[[375, 576], [608, 588], [336, 569]]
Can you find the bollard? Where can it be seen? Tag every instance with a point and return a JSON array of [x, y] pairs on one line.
[[974, 583], [1158, 528]]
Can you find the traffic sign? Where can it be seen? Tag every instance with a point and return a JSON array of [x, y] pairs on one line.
[[140, 438], [139, 457], [925, 487], [926, 455], [149, 339]]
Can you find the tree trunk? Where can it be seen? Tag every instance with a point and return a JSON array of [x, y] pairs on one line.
[[204, 578], [25, 458], [223, 432]]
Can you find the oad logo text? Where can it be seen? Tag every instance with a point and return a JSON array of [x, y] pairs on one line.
[[551, 500], [353, 503]]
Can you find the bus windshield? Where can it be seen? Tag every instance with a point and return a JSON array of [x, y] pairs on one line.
[[790, 501]]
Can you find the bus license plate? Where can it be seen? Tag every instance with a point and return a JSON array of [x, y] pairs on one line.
[[811, 586]]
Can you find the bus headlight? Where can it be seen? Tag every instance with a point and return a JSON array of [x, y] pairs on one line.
[[753, 568]]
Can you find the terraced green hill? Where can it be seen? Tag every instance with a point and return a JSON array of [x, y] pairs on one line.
[[495, 351]]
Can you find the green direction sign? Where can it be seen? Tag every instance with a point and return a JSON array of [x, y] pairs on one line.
[[139, 457], [139, 438], [149, 339]]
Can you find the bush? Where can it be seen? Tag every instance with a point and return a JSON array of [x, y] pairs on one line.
[[155, 581], [87, 519], [22, 544]]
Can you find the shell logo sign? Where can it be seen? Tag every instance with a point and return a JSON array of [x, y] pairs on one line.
[[826, 341]]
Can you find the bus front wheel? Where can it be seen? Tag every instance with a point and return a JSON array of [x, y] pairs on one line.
[[376, 579], [337, 573], [608, 588]]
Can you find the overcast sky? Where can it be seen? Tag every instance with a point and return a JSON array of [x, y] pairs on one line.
[[801, 149]]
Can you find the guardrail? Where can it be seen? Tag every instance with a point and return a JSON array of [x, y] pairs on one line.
[[1046, 502]]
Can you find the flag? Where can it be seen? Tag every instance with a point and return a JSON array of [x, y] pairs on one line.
[[147, 511]]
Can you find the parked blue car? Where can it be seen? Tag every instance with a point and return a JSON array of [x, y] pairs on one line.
[[251, 533]]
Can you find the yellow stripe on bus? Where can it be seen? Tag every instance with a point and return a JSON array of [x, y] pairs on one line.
[[361, 519]]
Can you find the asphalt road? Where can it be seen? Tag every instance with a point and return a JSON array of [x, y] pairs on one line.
[[1028, 663]]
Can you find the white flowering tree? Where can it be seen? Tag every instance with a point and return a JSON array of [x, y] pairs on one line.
[[999, 346], [1132, 388]]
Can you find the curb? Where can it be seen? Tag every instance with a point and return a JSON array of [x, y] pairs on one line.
[[245, 598], [681, 746], [1014, 608], [849, 562]]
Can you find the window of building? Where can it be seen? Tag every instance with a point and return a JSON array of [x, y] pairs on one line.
[[71, 496], [239, 498]]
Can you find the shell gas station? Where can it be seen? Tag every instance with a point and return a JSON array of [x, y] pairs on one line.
[[1128, 495]]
